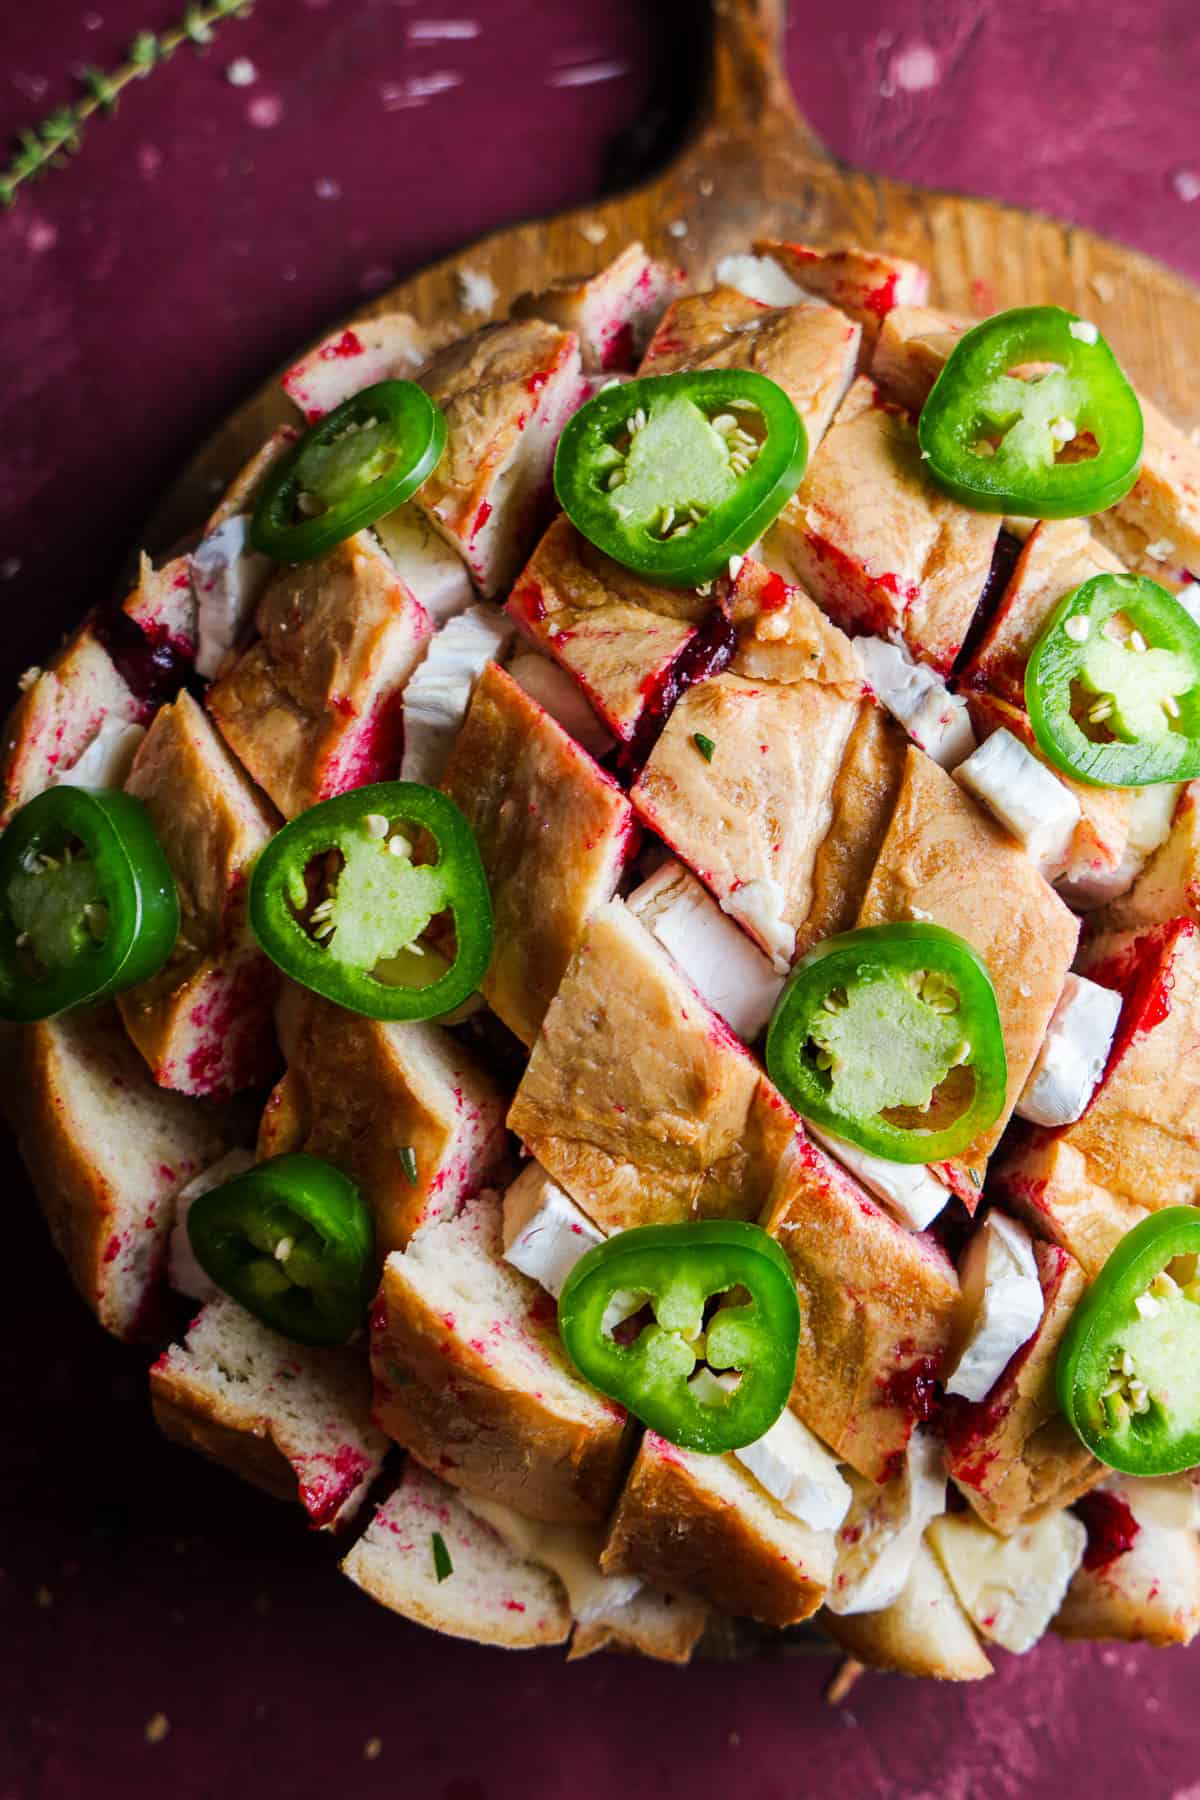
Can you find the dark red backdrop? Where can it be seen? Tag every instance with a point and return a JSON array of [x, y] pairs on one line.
[[201, 234]]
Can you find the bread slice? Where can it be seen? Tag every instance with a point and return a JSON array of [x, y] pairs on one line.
[[204, 1021], [924, 1632], [867, 284], [107, 1151], [405, 1109], [702, 1525], [487, 1594], [293, 1420], [471, 1376]]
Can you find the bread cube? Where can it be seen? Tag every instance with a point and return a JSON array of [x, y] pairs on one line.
[[613, 312], [617, 634], [489, 1595], [1168, 885], [637, 1099], [924, 1632], [751, 821], [1147, 1593], [506, 393], [1140, 1136], [554, 832], [881, 547], [1013, 1454], [1055, 1187], [471, 1376], [1096, 855], [107, 1151], [292, 1420], [1155, 529], [204, 1021], [809, 351], [877, 1310], [393, 347], [413, 1088], [911, 349], [867, 284], [703, 1525], [315, 706], [62, 712], [1059, 555]]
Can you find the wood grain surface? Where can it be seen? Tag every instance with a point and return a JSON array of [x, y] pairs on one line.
[[753, 167]]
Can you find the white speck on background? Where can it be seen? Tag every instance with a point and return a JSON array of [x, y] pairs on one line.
[[265, 110], [477, 290], [34, 87], [42, 236], [10, 568], [289, 272], [593, 231], [585, 74], [1104, 286], [241, 72], [678, 228], [398, 96], [914, 69], [1186, 183], [92, 21], [149, 160], [326, 188], [442, 31]]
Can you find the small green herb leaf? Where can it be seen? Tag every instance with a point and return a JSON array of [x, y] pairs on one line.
[[408, 1162], [704, 745], [442, 1566]]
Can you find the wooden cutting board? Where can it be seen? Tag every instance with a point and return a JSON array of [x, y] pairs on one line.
[[753, 168]]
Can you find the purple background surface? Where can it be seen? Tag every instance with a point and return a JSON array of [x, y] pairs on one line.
[[201, 235]]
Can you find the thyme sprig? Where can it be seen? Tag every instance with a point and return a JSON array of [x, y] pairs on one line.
[[42, 146]]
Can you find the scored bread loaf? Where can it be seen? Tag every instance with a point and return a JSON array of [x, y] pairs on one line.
[[293, 1420]]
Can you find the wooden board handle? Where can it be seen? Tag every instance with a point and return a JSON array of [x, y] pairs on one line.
[[748, 83]]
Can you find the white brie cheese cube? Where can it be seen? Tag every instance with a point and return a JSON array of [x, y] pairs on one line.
[[428, 566], [1073, 1053], [438, 691], [1149, 816], [1171, 1502], [227, 578], [1001, 1305], [879, 1539], [1010, 1588], [936, 720], [572, 1552], [184, 1273], [560, 696], [1025, 796], [789, 1461], [911, 1191], [105, 762], [760, 278], [717, 957], [545, 1233]]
